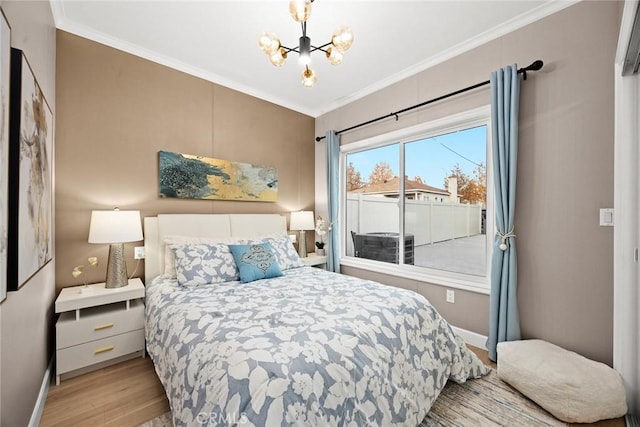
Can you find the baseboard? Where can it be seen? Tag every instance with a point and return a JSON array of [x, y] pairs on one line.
[[38, 409], [472, 338]]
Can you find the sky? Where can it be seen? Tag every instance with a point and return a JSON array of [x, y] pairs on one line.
[[431, 158]]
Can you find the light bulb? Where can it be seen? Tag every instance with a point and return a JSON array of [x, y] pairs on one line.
[[304, 58], [308, 78], [334, 55], [342, 38], [269, 43], [300, 10], [279, 57]]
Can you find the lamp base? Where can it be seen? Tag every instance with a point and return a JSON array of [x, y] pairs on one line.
[[302, 246], [116, 267]]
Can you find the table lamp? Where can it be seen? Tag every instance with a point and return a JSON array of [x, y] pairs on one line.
[[115, 228], [302, 221]]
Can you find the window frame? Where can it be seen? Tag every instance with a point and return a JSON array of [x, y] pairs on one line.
[[480, 116]]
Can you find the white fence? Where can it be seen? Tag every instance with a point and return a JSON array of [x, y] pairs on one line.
[[428, 221]]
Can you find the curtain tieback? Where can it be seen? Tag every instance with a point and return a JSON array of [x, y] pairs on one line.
[[504, 237]]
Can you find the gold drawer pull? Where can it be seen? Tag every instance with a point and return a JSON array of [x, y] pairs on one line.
[[103, 350], [105, 326]]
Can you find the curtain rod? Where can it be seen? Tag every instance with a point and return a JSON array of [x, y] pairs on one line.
[[535, 66]]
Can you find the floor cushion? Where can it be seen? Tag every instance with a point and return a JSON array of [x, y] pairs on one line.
[[571, 387]]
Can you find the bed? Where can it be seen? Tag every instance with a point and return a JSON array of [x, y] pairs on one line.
[[304, 347]]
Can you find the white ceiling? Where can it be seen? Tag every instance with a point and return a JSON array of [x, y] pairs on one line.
[[217, 40]]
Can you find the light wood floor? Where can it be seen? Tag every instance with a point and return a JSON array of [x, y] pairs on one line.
[[126, 394], [129, 393]]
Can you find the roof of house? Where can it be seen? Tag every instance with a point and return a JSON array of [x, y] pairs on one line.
[[392, 186]]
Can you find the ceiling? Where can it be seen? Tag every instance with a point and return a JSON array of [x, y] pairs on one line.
[[217, 40]]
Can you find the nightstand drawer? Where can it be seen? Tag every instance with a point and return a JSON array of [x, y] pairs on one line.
[[97, 323], [79, 356]]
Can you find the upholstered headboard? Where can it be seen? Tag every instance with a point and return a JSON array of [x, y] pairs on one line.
[[202, 225]]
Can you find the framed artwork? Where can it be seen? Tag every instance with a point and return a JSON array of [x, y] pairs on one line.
[[30, 152], [187, 176], [5, 84]]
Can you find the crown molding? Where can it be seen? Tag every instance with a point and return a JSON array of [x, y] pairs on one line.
[[513, 24], [124, 46]]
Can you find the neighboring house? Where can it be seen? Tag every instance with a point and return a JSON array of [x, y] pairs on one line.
[[414, 190]]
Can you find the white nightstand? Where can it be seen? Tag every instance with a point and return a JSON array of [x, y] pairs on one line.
[[313, 260], [97, 325]]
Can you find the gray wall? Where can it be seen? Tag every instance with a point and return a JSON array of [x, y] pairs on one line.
[[26, 316], [565, 170]]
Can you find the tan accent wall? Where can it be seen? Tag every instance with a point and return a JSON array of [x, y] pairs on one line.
[[26, 316], [116, 111], [565, 170]]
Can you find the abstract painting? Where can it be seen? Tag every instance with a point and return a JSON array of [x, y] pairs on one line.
[[5, 82], [195, 177], [30, 198]]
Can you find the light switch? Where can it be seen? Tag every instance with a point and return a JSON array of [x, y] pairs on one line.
[[606, 217]]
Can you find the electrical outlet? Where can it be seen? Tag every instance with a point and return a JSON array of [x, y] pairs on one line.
[[451, 296], [138, 252], [606, 217]]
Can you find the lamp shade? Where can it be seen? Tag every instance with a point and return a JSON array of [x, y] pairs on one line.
[[302, 220], [115, 226]]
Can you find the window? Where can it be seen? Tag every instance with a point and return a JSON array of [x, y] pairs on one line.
[[431, 225]]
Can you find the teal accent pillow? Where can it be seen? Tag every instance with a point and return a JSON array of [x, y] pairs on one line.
[[256, 261]]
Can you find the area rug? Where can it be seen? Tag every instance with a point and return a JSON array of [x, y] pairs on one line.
[[163, 420], [488, 401], [485, 402]]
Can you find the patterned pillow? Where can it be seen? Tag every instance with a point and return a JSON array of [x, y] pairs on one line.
[[283, 248], [255, 261], [201, 264], [169, 257]]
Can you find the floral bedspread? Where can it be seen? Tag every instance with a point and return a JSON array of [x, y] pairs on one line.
[[310, 348]]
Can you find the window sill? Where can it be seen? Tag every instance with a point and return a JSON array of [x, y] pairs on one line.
[[450, 280]]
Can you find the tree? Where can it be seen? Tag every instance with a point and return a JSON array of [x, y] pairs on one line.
[[471, 190], [354, 179], [480, 177], [381, 173], [463, 178]]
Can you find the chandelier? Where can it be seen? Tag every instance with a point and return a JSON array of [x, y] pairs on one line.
[[334, 50]]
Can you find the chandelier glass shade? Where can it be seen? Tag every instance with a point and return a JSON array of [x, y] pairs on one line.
[[334, 50], [309, 77], [300, 10]]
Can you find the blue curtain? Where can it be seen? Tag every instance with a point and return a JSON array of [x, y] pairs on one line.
[[504, 320], [333, 194]]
